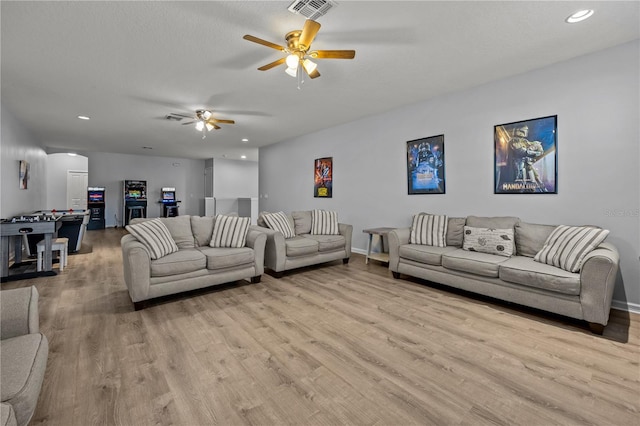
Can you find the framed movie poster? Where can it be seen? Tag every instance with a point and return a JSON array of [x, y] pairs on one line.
[[323, 177], [526, 157], [425, 165]]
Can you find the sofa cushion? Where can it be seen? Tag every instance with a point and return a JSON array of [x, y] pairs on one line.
[[155, 236], [302, 222], [221, 258], [279, 222], [488, 240], [525, 271], [23, 360], [430, 255], [230, 231], [180, 229], [7, 415], [300, 246], [486, 265], [455, 231], [324, 222], [183, 261], [495, 222], [567, 246], [530, 238], [327, 242], [429, 229], [202, 228]]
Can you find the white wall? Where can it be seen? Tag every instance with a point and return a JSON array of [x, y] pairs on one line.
[[57, 167], [235, 178], [596, 99], [17, 143], [110, 170]]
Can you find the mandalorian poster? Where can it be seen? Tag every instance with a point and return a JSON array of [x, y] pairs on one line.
[[526, 157]]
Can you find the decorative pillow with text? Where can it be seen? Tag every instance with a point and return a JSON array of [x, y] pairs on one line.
[[489, 240]]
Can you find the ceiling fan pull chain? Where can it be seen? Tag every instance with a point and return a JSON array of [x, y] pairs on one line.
[[300, 73]]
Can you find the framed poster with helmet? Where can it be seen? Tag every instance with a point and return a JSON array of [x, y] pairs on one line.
[[526, 156]]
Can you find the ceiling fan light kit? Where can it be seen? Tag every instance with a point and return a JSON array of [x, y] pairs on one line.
[[299, 53]]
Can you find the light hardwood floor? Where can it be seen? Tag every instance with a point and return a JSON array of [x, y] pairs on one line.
[[339, 344]]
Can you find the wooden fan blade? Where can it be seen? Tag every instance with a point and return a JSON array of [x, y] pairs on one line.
[[309, 32], [181, 115], [191, 122], [263, 42], [333, 54], [215, 126], [215, 120], [272, 64]]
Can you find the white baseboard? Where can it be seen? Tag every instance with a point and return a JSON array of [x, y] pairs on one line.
[[626, 306], [359, 251]]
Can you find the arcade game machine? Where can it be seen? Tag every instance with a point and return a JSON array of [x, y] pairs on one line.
[[96, 206], [169, 202], [135, 200]]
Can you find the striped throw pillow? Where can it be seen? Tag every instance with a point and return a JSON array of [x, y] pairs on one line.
[[567, 246], [429, 229], [230, 231], [279, 222], [155, 236], [324, 222]]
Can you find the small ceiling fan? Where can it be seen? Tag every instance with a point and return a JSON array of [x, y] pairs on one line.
[[299, 53], [204, 120]]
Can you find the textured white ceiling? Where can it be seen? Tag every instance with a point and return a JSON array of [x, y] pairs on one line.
[[128, 64]]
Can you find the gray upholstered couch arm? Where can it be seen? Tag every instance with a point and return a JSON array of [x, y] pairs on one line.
[[136, 261], [19, 312], [397, 237], [597, 279], [346, 231], [257, 241], [275, 252]]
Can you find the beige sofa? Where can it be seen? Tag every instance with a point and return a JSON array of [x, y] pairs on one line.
[[23, 352], [303, 249], [195, 265], [585, 295]]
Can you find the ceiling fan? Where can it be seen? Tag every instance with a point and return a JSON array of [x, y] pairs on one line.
[[299, 53], [204, 120]]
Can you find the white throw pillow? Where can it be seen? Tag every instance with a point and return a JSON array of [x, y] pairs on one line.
[[429, 230], [567, 246], [279, 222], [155, 236], [489, 240], [230, 231], [324, 222]]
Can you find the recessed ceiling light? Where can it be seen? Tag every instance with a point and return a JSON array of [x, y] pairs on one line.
[[245, 140], [84, 117], [243, 157], [580, 15]]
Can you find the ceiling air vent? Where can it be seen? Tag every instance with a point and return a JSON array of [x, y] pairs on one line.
[[312, 9]]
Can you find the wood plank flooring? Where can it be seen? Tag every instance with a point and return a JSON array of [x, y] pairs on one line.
[[339, 344]]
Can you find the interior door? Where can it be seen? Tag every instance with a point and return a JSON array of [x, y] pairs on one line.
[[77, 183]]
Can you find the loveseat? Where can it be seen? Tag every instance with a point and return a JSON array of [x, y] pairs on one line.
[[584, 294], [304, 245], [193, 263], [23, 351]]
